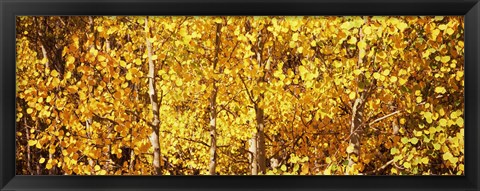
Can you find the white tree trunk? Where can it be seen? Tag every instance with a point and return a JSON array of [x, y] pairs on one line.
[[154, 138]]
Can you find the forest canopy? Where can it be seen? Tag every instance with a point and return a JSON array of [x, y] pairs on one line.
[[240, 95]]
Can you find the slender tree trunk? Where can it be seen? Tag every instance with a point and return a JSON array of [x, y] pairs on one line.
[[253, 154], [44, 53], [355, 130], [260, 140], [132, 153], [259, 159], [154, 138], [213, 107], [257, 143], [213, 132], [110, 128], [50, 157], [357, 117], [29, 167]]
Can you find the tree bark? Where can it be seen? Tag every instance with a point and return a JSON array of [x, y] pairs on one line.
[[357, 117], [355, 130], [44, 53], [260, 140], [253, 154], [213, 108], [154, 138], [27, 134]]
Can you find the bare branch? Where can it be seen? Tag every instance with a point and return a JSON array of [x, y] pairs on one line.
[[384, 117], [246, 89]]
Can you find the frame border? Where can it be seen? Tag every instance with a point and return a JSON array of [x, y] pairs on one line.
[[11, 8]]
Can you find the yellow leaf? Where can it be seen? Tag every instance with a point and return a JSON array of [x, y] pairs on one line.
[[441, 112], [178, 82], [350, 148], [357, 72], [445, 59], [295, 37], [419, 99], [100, 29], [402, 26], [68, 75], [352, 95], [414, 140], [417, 133], [393, 170], [367, 30], [138, 61], [352, 40], [305, 169], [362, 45], [435, 34], [49, 166], [42, 160], [123, 63], [32, 142], [436, 146], [346, 25], [300, 50], [218, 20], [442, 27], [70, 59], [29, 110], [54, 73], [102, 172], [128, 76], [393, 79], [154, 57], [101, 58], [428, 117], [337, 64], [425, 160], [55, 82], [283, 168], [447, 156], [440, 90], [44, 60], [393, 151], [376, 75], [450, 31], [407, 165], [460, 122], [97, 168], [386, 72], [443, 122], [328, 160]]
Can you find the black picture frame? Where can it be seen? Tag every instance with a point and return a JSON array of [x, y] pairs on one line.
[[11, 8]]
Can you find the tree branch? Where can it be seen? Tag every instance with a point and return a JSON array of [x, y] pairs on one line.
[[246, 89], [381, 168], [384, 117]]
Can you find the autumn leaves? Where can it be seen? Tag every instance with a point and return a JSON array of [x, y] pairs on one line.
[[229, 95]]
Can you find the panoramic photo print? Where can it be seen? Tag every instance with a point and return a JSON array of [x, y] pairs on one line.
[[240, 95]]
